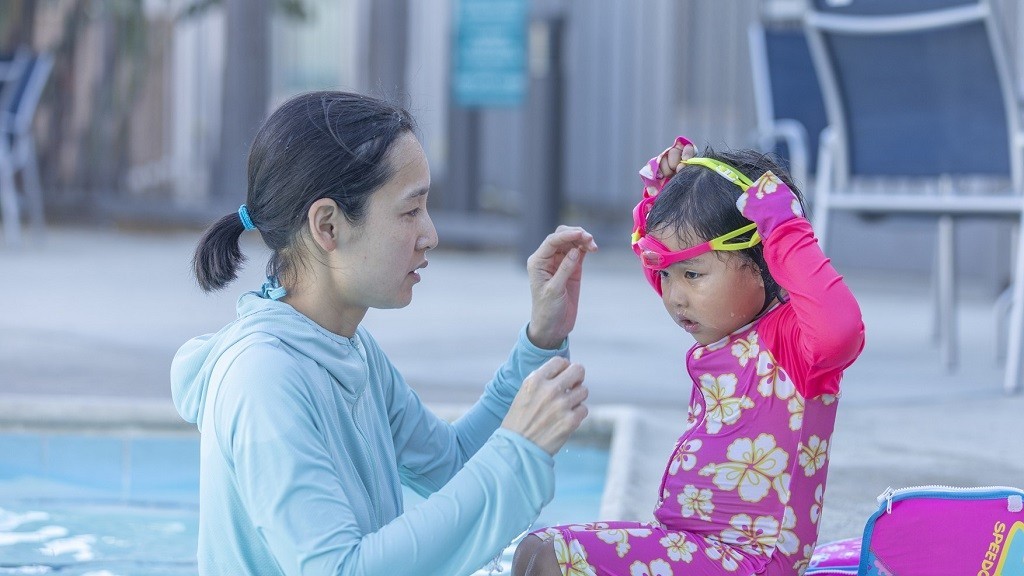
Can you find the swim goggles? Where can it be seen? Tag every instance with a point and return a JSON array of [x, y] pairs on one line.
[[655, 256]]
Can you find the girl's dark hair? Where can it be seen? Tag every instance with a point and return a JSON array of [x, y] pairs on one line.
[[316, 145], [698, 204]]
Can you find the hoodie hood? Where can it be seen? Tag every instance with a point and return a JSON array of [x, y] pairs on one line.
[[193, 364]]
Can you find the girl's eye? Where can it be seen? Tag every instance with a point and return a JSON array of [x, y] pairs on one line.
[[663, 274], [691, 275]]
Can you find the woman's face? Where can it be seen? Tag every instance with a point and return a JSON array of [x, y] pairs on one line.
[[381, 255]]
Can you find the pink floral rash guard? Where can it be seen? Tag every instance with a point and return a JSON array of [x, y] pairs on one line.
[[743, 490]]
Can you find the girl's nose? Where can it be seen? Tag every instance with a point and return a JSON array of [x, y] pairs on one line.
[[673, 295]]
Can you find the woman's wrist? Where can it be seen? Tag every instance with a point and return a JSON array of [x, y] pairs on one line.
[[541, 340]]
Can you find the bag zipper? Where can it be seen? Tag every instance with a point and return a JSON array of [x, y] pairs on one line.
[[891, 494]]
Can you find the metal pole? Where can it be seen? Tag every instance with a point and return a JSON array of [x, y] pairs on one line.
[[542, 152], [461, 194]]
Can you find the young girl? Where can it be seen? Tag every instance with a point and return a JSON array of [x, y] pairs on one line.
[[738, 267], [308, 430]]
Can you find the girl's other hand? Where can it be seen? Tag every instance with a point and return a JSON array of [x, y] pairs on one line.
[[549, 406], [769, 202], [555, 269]]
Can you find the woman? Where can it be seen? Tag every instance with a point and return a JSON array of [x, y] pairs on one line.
[[308, 431]]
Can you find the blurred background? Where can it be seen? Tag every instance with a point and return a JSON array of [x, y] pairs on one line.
[[530, 112], [124, 129]]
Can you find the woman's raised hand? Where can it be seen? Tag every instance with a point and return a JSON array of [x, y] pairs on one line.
[[549, 406], [555, 269]]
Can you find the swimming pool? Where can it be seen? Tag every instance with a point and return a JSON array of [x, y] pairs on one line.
[[80, 504]]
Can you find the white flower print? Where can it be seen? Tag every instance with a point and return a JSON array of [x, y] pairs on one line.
[[828, 399], [657, 567], [678, 547], [746, 350], [756, 536], [696, 501], [716, 550], [572, 558], [794, 205], [717, 345], [588, 526], [813, 455], [819, 495], [773, 379], [788, 541], [766, 184], [723, 407], [620, 538], [754, 464], [685, 457], [796, 412], [801, 565], [781, 485], [693, 416]]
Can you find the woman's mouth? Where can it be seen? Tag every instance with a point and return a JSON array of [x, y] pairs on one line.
[[415, 275]]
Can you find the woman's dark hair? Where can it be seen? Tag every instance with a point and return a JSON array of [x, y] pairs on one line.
[[698, 204], [316, 145]]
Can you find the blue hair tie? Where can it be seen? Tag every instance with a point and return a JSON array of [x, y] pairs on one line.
[[243, 215], [272, 289]]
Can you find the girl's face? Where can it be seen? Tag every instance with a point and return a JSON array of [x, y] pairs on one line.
[[381, 255], [712, 295]]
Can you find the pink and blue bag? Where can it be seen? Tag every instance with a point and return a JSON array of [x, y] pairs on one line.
[[933, 531]]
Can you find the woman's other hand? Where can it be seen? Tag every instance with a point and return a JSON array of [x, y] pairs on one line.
[[555, 269], [549, 406]]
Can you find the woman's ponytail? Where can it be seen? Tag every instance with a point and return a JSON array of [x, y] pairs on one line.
[[218, 257]]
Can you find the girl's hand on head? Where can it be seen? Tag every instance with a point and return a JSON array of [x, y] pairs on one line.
[[671, 160], [549, 406], [555, 269], [768, 203], [660, 169]]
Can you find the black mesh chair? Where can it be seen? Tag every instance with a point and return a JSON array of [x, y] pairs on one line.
[[922, 120], [787, 97]]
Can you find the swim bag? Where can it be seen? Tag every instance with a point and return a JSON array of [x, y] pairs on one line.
[[838, 558], [945, 531]]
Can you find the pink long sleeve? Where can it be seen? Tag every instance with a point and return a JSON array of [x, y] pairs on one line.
[[820, 331]]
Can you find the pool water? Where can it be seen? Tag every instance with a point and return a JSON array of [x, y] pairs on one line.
[[127, 505]]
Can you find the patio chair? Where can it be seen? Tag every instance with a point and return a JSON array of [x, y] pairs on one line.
[[922, 120], [787, 97], [26, 75]]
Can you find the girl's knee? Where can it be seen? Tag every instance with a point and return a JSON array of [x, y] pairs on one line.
[[535, 557]]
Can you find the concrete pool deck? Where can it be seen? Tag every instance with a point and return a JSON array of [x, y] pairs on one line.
[[93, 317]]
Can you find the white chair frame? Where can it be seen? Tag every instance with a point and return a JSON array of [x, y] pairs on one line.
[[834, 172]]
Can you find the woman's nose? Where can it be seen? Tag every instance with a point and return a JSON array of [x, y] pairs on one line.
[[428, 240]]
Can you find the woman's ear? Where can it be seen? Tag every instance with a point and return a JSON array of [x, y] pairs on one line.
[[324, 221]]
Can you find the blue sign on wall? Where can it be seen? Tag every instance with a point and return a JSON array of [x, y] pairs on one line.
[[490, 52]]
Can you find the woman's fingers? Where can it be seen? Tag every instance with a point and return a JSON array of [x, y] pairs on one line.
[[549, 406]]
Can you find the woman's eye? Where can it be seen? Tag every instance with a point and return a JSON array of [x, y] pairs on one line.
[[413, 212]]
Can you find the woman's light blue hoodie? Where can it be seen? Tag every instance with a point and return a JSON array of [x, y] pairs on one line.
[[307, 436]]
